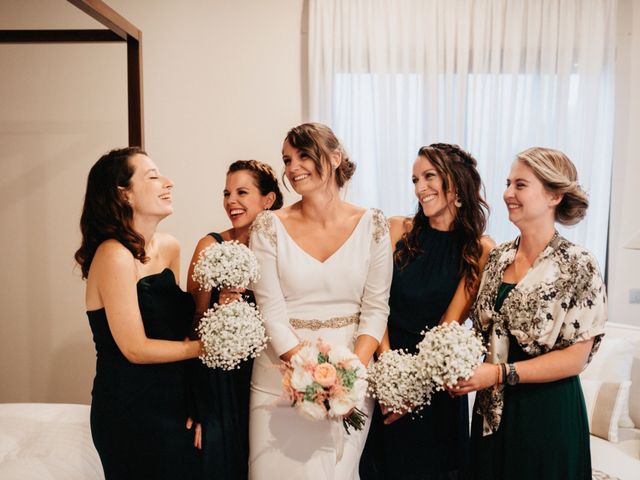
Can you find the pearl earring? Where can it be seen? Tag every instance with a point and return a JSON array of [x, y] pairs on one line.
[[457, 202]]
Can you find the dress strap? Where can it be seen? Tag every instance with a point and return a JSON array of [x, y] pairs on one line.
[[217, 236]]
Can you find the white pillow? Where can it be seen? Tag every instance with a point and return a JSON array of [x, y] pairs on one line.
[[604, 405], [612, 363]]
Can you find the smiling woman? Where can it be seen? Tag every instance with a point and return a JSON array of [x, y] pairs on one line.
[[325, 274], [439, 256], [542, 309], [139, 318], [251, 187]]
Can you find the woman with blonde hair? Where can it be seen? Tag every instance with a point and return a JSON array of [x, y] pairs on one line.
[[542, 309]]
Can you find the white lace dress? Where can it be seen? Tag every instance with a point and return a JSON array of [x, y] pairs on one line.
[[302, 298]]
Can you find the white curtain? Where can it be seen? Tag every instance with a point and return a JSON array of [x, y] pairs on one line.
[[494, 76]]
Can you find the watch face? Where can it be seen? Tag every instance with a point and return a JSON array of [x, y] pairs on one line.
[[512, 377]]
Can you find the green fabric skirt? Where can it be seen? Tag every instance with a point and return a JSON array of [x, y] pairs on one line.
[[543, 434]]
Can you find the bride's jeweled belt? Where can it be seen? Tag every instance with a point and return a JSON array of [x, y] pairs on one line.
[[334, 322]]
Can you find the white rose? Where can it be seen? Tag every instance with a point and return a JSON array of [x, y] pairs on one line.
[[311, 410], [305, 355], [340, 406], [300, 378], [358, 391], [340, 353]]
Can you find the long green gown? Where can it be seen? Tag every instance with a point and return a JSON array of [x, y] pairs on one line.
[[544, 431]]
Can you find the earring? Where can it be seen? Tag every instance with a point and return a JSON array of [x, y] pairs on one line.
[[457, 202]]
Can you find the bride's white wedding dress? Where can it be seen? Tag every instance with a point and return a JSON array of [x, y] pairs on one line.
[[302, 298]]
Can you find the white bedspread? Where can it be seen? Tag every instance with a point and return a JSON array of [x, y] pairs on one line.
[[47, 441]]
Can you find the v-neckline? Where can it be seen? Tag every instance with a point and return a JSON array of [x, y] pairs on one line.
[[335, 252]]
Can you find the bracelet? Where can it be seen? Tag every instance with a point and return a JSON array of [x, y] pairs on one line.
[[503, 366], [497, 382]]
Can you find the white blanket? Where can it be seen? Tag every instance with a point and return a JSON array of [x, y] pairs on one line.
[[47, 441]]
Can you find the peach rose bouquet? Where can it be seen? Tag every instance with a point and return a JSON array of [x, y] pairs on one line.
[[325, 382]]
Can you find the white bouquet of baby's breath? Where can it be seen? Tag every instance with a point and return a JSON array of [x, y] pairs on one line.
[[230, 334], [449, 352], [400, 382], [226, 265]]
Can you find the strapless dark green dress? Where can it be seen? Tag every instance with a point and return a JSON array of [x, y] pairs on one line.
[[138, 412], [434, 445]]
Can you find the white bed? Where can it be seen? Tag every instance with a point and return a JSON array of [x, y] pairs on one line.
[[47, 441]]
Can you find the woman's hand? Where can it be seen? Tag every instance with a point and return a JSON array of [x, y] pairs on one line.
[[389, 416], [197, 436], [485, 375], [286, 356], [228, 295]]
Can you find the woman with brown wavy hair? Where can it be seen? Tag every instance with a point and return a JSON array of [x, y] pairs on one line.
[[139, 318], [439, 254]]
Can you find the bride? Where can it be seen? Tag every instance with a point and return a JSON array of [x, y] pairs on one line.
[[326, 269]]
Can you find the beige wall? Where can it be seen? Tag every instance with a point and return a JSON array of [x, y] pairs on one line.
[[222, 81], [624, 264]]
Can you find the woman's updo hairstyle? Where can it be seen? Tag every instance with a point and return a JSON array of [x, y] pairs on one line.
[[558, 174], [318, 142], [265, 178]]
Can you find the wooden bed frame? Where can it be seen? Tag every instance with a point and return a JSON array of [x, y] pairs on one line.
[[119, 29]]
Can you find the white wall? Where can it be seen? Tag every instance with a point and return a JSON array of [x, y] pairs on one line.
[[222, 81], [624, 264]]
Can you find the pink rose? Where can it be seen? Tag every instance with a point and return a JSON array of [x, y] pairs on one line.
[[325, 374]]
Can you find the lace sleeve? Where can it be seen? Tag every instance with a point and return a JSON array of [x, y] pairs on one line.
[[374, 310], [267, 290], [264, 226]]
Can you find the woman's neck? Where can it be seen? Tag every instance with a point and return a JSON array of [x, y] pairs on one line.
[[441, 223], [240, 234], [322, 206], [534, 240], [147, 228]]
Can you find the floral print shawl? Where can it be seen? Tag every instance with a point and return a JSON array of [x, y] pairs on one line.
[[560, 301]]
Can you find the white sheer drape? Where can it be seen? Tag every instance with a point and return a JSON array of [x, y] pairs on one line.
[[494, 76]]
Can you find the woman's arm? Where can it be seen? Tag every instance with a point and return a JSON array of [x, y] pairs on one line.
[[202, 298], [460, 305], [397, 227], [115, 274], [267, 290], [374, 309], [548, 367]]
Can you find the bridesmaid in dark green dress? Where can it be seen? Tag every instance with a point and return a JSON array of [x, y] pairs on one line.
[[223, 396], [139, 318], [439, 254], [541, 307]]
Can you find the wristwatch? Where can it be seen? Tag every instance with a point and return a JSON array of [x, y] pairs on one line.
[[512, 376]]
